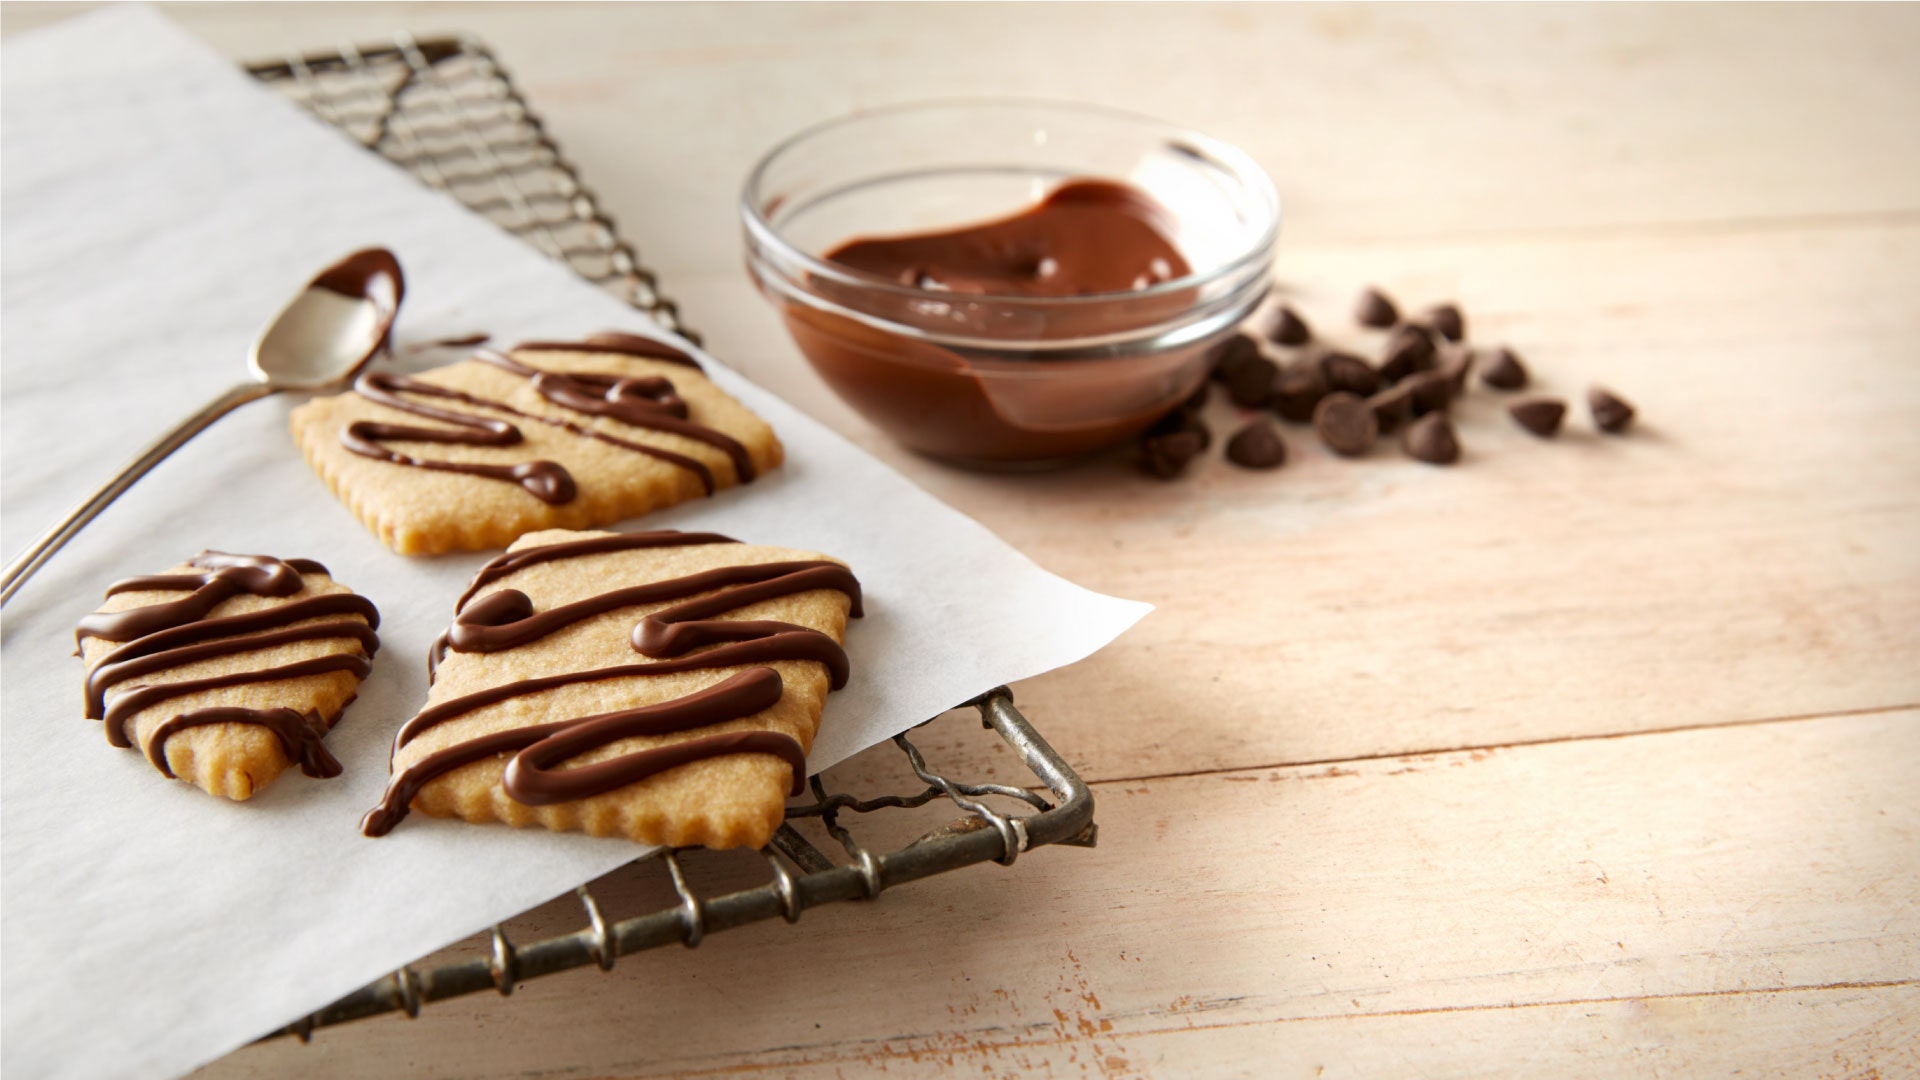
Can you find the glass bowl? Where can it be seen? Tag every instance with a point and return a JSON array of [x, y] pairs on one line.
[[1007, 381]]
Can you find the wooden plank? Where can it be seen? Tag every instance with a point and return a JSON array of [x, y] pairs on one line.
[[1378, 122], [1859, 1033], [1768, 858], [1749, 552]]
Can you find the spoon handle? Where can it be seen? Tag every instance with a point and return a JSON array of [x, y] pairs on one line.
[[22, 568]]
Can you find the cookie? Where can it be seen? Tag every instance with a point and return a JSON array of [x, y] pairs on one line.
[[551, 434], [227, 669], [662, 686]]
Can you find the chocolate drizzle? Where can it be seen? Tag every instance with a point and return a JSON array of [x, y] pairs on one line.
[[300, 736], [649, 402], [613, 341], [502, 565], [227, 576], [223, 637], [125, 705], [544, 480], [173, 633], [506, 619], [644, 402]]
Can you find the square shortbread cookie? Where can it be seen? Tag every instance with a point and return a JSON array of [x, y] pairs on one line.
[[228, 668], [660, 686], [545, 435]]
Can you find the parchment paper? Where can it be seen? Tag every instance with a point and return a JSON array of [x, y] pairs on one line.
[[157, 207]]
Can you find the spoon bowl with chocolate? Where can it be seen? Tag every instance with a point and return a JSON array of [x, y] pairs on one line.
[[1009, 285]]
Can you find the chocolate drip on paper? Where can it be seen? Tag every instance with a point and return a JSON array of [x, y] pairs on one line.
[[506, 619], [170, 634]]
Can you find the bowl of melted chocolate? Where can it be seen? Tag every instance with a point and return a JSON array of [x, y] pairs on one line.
[[1009, 284]]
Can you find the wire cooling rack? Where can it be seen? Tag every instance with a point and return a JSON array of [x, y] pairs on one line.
[[446, 111]]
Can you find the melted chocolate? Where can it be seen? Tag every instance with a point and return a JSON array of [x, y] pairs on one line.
[[1086, 237], [1009, 399], [506, 619], [177, 632], [645, 401], [373, 274]]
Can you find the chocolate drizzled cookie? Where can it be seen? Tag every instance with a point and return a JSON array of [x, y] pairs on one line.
[[546, 434], [229, 668], [661, 686]]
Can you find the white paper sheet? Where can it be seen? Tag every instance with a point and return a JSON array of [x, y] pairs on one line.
[[157, 207]]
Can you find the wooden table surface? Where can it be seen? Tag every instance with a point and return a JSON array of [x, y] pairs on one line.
[[1588, 758]]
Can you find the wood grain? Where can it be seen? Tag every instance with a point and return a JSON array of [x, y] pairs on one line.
[[1385, 124]]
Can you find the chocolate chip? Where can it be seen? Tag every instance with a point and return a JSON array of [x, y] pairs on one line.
[[1167, 456], [1393, 406], [1199, 427], [1181, 420], [1430, 391], [1455, 363], [1376, 310], [1196, 401], [1250, 384], [1539, 415], [1299, 388], [1446, 321], [1610, 413], [1230, 354], [1410, 350], [1346, 424], [1257, 446], [1505, 371], [1286, 327], [1347, 372], [1431, 439]]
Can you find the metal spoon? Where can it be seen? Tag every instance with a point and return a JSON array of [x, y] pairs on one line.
[[318, 343]]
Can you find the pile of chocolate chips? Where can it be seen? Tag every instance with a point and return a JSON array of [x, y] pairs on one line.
[[1351, 402]]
